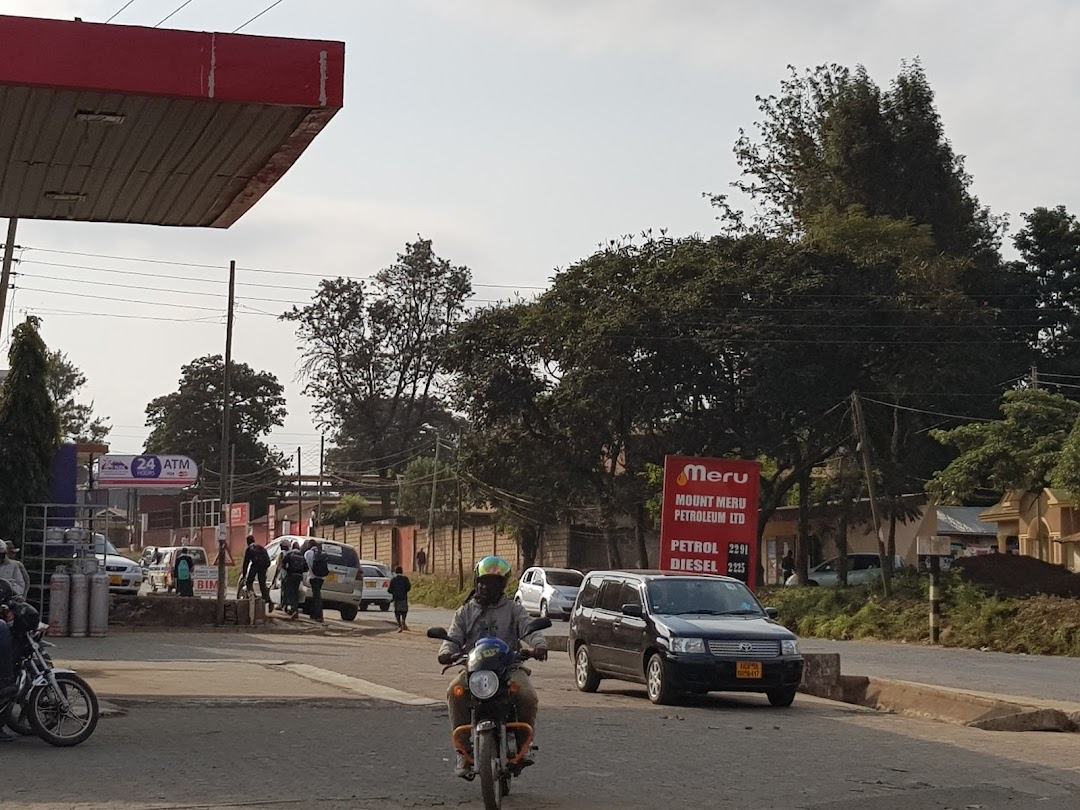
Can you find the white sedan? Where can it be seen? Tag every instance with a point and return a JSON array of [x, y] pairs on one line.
[[549, 592]]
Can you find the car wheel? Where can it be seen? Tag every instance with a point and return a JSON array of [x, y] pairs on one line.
[[585, 676], [543, 609], [348, 613], [782, 697], [384, 606], [658, 681], [363, 605]]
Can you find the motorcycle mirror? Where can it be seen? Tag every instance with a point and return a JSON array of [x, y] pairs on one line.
[[437, 632], [538, 624]]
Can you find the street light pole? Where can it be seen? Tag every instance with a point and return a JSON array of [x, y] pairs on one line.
[[431, 512]]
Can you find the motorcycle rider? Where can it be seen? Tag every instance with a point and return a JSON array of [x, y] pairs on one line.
[[13, 572], [488, 613], [7, 649]]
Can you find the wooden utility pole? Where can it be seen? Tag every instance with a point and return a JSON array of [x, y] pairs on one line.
[[322, 463], [5, 276], [460, 509], [431, 512], [864, 446], [226, 440], [299, 495]]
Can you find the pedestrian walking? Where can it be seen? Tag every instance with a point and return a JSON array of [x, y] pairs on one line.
[[256, 564], [295, 567], [399, 591], [319, 566], [421, 561], [184, 573], [787, 567]]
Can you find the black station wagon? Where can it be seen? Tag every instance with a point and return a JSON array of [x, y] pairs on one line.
[[680, 633]]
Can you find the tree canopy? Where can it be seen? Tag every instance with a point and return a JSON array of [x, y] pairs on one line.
[[77, 420], [188, 420], [29, 429]]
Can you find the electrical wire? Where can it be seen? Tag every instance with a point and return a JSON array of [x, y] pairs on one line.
[[930, 413], [174, 12], [253, 19], [123, 8]]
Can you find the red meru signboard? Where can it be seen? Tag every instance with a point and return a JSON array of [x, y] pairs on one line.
[[710, 517]]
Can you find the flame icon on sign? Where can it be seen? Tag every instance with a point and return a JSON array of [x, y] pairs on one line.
[[682, 479]]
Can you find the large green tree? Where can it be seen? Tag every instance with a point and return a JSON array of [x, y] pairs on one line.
[[373, 355], [29, 429], [188, 420], [77, 420]]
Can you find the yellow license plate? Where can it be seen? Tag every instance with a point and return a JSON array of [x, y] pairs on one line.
[[116, 580], [331, 577], [748, 669], [371, 583]]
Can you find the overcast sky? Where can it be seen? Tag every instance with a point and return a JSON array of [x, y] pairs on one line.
[[519, 134]]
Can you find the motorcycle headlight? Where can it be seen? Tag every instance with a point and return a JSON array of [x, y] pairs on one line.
[[483, 684], [688, 645], [789, 646]]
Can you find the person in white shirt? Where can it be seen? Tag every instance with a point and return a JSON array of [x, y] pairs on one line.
[[13, 571]]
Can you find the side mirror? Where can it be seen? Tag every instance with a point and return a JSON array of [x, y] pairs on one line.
[[437, 632], [537, 624], [772, 613], [633, 609]]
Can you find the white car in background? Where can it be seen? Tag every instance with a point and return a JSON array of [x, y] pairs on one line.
[[125, 575], [549, 592], [863, 569], [343, 587], [376, 582]]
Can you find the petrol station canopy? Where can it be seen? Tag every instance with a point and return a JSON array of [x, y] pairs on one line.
[[112, 123]]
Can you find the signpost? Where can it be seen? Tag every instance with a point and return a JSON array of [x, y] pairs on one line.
[[125, 472], [710, 517], [935, 548]]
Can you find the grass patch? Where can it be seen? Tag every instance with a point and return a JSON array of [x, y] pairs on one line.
[[443, 592], [971, 617]]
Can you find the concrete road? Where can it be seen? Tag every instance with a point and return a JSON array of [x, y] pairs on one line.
[[335, 726]]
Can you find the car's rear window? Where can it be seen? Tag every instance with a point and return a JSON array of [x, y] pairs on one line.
[[342, 555], [372, 571], [569, 579]]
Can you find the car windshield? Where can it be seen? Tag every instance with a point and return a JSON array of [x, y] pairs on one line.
[[103, 546], [565, 579], [702, 596]]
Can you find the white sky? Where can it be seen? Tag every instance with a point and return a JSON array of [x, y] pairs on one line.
[[519, 134]]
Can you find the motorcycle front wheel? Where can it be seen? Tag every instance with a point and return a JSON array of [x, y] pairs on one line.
[[487, 763], [52, 722]]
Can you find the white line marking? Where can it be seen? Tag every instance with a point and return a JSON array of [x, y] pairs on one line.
[[358, 686]]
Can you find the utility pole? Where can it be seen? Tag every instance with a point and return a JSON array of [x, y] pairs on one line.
[[322, 462], [431, 512], [1035, 377], [299, 494], [864, 446], [457, 476], [232, 477], [5, 276], [226, 440]]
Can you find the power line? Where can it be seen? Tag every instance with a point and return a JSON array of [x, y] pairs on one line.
[[253, 19], [123, 8], [161, 275], [930, 413], [174, 12]]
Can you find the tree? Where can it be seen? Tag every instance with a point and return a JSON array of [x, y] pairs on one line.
[[188, 422], [416, 485], [373, 356], [1050, 245], [29, 429], [1020, 451], [77, 420], [350, 509]]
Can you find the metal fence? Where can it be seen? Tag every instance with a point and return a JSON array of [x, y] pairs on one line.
[[57, 535]]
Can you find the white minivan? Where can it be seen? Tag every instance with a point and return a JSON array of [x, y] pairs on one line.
[[343, 587]]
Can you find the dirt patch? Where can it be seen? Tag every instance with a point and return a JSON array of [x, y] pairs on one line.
[[1012, 575]]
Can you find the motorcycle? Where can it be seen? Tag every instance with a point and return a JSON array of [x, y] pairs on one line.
[[494, 755], [55, 704]]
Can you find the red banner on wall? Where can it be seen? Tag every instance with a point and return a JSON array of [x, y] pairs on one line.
[[238, 514], [710, 517]]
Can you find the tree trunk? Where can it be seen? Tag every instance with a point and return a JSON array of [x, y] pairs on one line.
[[527, 541], [802, 540], [639, 536], [612, 540], [890, 549]]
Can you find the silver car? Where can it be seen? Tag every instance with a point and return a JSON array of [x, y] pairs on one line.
[[862, 570], [549, 592], [343, 587]]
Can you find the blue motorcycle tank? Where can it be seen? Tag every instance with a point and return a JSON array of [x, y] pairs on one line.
[[490, 653]]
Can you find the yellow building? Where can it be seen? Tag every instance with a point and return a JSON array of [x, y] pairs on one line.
[[1046, 525]]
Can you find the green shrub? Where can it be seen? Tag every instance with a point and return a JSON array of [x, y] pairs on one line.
[[443, 592]]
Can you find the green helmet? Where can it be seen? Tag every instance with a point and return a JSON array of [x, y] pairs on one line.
[[492, 567]]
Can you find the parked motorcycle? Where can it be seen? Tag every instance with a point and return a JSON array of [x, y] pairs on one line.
[[55, 704], [494, 755]]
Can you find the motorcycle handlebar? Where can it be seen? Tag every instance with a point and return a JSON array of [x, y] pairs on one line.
[[520, 655]]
